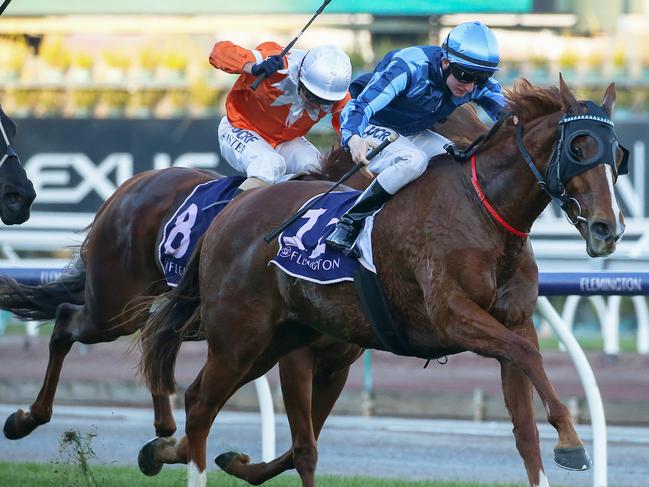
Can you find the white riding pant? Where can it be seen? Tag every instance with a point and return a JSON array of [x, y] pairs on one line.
[[405, 159], [247, 152]]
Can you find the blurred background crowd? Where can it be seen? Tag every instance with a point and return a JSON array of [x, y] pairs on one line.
[[149, 59]]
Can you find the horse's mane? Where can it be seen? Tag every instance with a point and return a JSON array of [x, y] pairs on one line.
[[462, 126], [334, 165], [529, 102]]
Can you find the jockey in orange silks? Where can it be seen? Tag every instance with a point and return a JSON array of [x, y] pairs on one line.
[[262, 134]]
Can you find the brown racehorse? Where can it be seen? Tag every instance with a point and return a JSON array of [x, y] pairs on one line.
[[117, 265], [16, 190], [455, 277]]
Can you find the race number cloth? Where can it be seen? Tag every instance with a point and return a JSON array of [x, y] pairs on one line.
[[302, 249], [189, 223]]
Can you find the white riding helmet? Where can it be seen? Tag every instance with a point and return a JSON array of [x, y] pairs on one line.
[[326, 71]]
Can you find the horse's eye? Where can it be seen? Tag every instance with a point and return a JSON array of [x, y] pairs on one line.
[[576, 152]]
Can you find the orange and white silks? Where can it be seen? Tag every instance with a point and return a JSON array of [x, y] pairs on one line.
[[275, 110]]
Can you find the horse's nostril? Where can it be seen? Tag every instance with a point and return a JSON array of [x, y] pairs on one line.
[[602, 231]]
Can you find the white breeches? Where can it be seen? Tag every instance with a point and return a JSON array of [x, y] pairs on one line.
[[247, 152], [405, 159]]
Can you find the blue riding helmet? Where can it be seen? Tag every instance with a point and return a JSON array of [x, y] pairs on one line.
[[473, 46]]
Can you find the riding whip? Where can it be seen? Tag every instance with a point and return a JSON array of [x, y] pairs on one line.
[[262, 77], [271, 236], [6, 3]]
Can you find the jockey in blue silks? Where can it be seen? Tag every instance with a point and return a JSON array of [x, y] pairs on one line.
[[410, 90]]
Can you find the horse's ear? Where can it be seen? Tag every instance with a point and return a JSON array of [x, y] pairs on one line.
[[568, 98], [609, 100]]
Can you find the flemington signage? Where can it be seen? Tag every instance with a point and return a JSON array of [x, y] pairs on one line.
[[608, 284]]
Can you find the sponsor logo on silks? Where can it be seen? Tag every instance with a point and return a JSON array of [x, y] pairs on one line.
[[377, 133], [244, 135], [303, 252], [608, 284], [189, 223], [238, 138]]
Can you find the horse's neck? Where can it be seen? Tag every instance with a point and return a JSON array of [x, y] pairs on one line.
[[508, 182]]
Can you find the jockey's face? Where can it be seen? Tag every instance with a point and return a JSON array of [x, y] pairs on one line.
[[312, 101], [457, 88]]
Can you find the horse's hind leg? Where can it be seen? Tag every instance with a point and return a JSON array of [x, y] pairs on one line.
[[163, 417], [70, 325], [296, 376], [166, 449], [309, 400], [221, 374], [518, 394]]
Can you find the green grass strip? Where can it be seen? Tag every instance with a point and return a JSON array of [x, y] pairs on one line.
[[53, 474]]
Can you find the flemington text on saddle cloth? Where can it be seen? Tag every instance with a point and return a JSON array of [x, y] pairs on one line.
[[303, 252]]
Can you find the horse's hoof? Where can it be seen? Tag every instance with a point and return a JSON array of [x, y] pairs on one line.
[[146, 459], [227, 460], [10, 429], [572, 458]]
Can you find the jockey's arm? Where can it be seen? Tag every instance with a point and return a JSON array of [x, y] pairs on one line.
[[380, 91], [491, 99], [234, 59]]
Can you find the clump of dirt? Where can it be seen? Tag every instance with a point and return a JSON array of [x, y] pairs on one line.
[[75, 454]]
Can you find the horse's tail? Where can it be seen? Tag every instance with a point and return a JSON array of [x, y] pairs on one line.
[[40, 302], [173, 321]]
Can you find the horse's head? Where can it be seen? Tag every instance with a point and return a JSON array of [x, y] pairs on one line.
[[16, 190], [584, 158], [589, 161]]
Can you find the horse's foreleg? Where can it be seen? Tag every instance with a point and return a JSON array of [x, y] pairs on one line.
[[69, 327], [480, 332], [518, 394]]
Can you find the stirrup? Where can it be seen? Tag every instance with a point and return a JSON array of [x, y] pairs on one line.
[[342, 241]]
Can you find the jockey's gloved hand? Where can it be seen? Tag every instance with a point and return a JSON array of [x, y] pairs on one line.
[[358, 149], [268, 66]]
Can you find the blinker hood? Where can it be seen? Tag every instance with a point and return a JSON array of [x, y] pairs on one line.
[[595, 124]]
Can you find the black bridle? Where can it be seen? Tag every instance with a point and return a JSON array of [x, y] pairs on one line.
[[563, 164], [9, 150]]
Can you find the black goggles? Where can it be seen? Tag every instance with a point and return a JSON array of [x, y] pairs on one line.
[[468, 76], [313, 98]]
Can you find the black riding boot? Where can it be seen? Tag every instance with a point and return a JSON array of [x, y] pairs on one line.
[[349, 226]]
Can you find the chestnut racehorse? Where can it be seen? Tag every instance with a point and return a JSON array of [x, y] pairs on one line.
[[16, 190], [116, 265], [452, 254]]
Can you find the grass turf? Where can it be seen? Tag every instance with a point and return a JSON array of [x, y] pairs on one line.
[[53, 474]]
